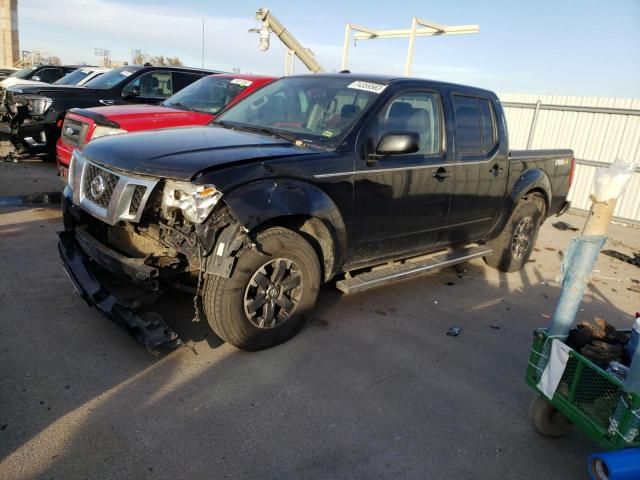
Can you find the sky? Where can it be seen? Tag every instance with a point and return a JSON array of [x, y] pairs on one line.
[[553, 47]]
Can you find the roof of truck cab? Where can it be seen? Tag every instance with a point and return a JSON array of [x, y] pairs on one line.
[[393, 79]]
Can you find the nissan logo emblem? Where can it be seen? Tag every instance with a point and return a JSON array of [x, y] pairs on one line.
[[98, 187]]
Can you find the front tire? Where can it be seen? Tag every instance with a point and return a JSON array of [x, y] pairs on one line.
[[547, 419], [263, 303], [513, 247]]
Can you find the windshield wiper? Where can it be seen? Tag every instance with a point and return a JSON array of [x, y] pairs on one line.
[[180, 106], [292, 138]]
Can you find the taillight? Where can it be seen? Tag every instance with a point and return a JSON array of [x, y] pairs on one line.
[[572, 170]]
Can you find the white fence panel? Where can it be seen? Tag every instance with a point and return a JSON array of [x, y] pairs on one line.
[[598, 130]]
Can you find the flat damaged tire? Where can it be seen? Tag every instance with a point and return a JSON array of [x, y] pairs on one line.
[[513, 247], [264, 301]]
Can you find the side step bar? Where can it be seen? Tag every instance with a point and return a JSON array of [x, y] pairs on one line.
[[409, 268]]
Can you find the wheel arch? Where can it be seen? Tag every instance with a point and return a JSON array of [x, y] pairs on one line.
[[532, 182], [299, 206]]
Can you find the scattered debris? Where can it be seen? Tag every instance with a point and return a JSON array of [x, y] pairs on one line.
[[321, 322], [435, 301], [635, 260], [564, 226], [451, 283], [454, 331], [547, 316], [461, 269], [3, 426], [495, 327]]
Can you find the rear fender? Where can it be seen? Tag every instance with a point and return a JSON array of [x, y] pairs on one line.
[[533, 179]]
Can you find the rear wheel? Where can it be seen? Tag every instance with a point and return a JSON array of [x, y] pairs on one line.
[[513, 247], [264, 301]]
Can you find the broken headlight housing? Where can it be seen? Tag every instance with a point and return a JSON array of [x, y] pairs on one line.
[[195, 201], [36, 104], [102, 131]]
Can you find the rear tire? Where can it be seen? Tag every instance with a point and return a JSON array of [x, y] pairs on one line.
[[547, 419], [263, 303], [513, 247]]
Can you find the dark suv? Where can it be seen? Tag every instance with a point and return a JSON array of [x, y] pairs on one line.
[[38, 110]]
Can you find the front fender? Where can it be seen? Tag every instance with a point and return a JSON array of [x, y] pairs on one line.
[[531, 179], [259, 202]]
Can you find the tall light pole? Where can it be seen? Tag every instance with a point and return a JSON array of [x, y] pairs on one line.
[[105, 54], [430, 29]]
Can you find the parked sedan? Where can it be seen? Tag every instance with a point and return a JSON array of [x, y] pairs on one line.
[[197, 104]]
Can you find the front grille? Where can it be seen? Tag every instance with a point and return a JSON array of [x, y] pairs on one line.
[[99, 185], [74, 132], [136, 199]]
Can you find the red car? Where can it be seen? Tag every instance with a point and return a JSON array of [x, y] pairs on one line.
[[196, 104]]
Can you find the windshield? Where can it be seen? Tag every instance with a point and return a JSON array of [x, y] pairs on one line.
[[112, 77], [314, 109], [24, 73], [208, 95], [74, 77]]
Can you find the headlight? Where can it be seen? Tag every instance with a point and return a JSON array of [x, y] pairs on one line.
[[35, 104], [101, 131], [195, 201]]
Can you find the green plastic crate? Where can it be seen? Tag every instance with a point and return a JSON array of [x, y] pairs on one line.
[[587, 395]]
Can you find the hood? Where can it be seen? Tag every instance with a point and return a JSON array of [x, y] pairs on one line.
[[11, 81], [50, 89], [150, 117], [180, 153]]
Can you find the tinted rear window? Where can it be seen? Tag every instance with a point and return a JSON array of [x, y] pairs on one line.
[[488, 122], [467, 121]]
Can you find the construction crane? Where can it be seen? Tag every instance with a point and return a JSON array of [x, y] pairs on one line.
[[271, 24]]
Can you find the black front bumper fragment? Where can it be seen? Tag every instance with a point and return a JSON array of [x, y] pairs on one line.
[[148, 328]]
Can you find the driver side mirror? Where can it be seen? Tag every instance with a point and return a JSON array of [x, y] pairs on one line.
[[131, 91], [398, 143]]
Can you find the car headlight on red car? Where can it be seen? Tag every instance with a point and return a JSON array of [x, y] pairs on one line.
[[102, 131]]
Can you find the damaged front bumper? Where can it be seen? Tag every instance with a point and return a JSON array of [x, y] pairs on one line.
[[86, 272]]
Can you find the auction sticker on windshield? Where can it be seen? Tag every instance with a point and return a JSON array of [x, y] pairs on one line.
[[126, 73], [241, 81], [368, 86]]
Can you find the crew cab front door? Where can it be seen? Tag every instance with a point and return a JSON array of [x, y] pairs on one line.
[[480, 171], [401, 201]]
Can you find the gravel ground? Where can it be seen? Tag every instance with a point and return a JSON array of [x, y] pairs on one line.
[[371, 388]]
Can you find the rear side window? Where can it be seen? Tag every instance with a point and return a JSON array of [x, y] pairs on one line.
[[182, 79], [488, 124], [467, 121]]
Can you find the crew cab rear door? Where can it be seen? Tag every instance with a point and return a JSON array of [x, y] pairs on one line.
[[480, 169], [401, 201]]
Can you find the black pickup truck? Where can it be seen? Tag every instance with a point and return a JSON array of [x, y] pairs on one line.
[[37, 111], [362, 179]]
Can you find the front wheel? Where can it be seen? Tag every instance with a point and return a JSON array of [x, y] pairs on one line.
[[513, 247], [263, 302]]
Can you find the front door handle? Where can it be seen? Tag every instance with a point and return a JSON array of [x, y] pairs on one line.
[[441, 174], [496, 170]]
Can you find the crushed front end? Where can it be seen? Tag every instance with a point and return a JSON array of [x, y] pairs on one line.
[[126, 237]]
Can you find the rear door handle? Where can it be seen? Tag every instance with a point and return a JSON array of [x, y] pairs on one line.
[[496, 170], [441, 174]]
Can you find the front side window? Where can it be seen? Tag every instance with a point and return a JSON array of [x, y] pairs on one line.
[[208, 95], [152, 85], [415, 112], [49, 75], [314, 109]]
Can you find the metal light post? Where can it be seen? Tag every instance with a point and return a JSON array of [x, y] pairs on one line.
[[430, 29]]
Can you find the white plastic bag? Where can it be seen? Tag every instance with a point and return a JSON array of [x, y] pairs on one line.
[[611, 181]]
